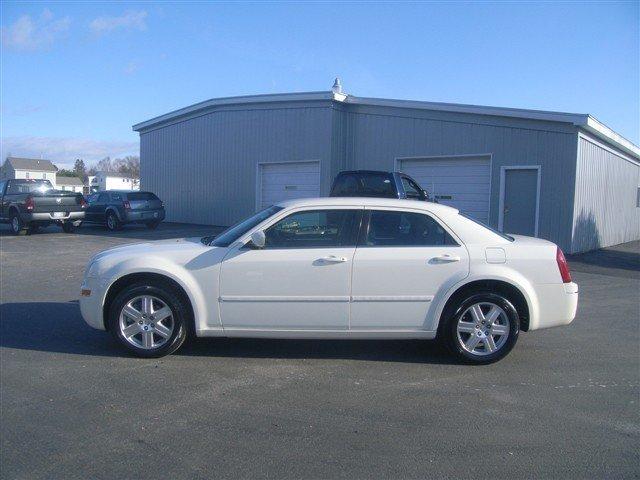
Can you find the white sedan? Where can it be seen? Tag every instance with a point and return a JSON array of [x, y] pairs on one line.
[[334, 268]]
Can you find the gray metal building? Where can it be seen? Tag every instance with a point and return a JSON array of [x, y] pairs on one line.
[[560, 176]]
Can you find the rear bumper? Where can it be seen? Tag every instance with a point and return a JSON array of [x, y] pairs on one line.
[[51, 217], [557, 305], [143, 216]]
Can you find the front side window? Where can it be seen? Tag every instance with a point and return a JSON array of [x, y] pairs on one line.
[[103, 198], [314, 229], [411, 188], [405, 229]]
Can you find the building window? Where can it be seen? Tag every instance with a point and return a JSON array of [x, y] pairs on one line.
[[26, 175]]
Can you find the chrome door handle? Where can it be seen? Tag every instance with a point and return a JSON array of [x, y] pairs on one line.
[[446, 258], [333, 259]]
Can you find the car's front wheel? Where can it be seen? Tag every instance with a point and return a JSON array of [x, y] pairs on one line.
[[482, 328], [149, 319]]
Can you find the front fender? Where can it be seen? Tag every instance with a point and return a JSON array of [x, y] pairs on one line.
[[160, 266]]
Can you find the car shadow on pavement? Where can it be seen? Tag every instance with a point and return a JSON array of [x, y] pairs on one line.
[[58, 327]]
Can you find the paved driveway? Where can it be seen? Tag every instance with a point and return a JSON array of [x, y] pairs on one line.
[[563, 404]]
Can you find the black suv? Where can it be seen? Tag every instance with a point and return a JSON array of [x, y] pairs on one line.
[[114, 208], [373, 183]]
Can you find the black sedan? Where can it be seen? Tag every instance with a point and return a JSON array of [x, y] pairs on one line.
[[115, 208]]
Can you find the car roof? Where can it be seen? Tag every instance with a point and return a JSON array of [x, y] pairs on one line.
[[369, 202]]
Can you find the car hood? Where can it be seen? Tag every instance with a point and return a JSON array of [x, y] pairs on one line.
[[177, 250]]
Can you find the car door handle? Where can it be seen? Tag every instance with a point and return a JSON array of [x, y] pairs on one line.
[[446, 258], [333, 259]]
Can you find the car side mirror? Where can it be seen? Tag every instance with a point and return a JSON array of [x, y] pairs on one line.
[[258, 239]]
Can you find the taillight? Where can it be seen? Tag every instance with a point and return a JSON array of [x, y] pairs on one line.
[[563, 266], [28, 203], [127, 205]]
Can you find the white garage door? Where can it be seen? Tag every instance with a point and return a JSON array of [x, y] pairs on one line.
[[288, 181], [461, 182]]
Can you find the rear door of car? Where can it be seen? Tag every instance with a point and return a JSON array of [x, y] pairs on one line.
[[404, 259], [96, 209]]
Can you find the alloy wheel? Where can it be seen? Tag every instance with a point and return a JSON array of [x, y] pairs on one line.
[[483, 329], [146, 322]]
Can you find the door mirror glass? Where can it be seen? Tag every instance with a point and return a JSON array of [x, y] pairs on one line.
[[258, 239]]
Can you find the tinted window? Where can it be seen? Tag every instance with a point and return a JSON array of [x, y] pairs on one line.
[[411, 188], [387, 228], [2, 187], [92, 198], [234, 232], [28, 186], [314, 228], [103, 198], [137, 196], [364, 185], [116, 197]]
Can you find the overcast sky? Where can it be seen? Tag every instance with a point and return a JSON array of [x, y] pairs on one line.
[[76, 76]]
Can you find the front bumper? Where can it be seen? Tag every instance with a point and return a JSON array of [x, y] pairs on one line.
[[52, 217], [557, 305], [91, 303]]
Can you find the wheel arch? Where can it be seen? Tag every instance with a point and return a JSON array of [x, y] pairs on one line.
[[514, 292], [110, 209], [130, 278]]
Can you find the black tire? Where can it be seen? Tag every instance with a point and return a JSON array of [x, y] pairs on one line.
[[454, 340], [18, 227], [160, 290], [152, 225], [34, 228], [68, 227], [112, 222]]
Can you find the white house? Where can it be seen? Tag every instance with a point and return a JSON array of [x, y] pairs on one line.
[[113, 181], [14, 167], [70, 184]]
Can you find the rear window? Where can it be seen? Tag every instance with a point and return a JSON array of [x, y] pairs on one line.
[[28, 186], [141, 196], [364, 185]]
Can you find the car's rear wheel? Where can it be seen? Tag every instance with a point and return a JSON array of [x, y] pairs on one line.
[[483, 328], [18, 227], [112, 222], [149, 320]]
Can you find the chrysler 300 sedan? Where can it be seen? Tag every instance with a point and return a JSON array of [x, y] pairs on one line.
[[334, 268]]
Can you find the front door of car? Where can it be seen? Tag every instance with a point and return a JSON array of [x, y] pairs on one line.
[[403, 261], [300, 279]]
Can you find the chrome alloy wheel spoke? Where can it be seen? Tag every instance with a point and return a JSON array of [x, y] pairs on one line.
[[483, 328], [146, 322]]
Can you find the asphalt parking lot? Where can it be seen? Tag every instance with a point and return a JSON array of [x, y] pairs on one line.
[[563, 404]]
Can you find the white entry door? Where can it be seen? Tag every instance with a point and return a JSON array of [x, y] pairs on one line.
[[287, 181], [461, 182]]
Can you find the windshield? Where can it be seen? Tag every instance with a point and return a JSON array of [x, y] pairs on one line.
[[503, 235], [28, 186], [231, 234]]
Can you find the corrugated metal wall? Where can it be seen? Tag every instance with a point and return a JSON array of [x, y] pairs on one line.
[[376, 136], [605, 211], [204, 168]]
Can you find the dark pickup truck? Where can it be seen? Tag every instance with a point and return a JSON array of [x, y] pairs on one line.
[[374, 183], [28, 204]]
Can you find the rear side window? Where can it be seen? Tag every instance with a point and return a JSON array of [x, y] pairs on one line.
[[364, 185], [141, 196], [313, 229], [103, 197], [116, 197], [411, 188], [405, 229]]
